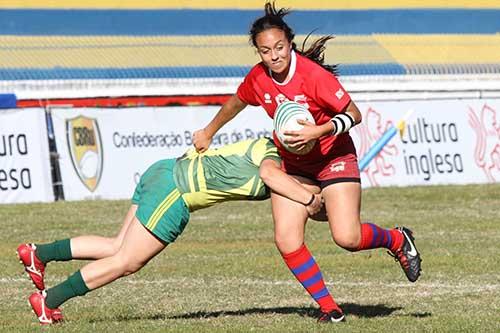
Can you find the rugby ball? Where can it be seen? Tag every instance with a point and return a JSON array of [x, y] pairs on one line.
[[285, 119]]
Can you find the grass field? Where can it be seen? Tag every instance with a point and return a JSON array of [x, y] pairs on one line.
[[225, 275]]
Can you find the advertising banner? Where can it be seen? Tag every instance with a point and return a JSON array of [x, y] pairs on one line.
[[103, 152], [444, 142], [24, 157]]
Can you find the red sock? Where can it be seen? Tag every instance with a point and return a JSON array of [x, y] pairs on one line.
[[373, 236], [305, 269]]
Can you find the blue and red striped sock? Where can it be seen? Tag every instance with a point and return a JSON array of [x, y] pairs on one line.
[[305, 269], [373, 236]]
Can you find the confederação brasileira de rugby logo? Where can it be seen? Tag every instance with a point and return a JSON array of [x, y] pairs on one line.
[[85, 149], [487, 151]]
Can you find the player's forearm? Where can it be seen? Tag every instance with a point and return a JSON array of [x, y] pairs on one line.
[[228, 111], [354, 112], [220, 119], [281, 183], [343, 122]]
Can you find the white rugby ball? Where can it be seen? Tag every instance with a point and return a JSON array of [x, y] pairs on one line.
[[285, 119]]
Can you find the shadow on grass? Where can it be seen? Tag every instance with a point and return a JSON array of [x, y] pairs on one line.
[[303, 311], [366, 311], [378, 310], [363, 311]]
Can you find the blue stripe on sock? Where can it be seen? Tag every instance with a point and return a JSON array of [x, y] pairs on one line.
[[312, 280], [304, 267], [322, 293], [389, 240], [381, 237], [373, 243]]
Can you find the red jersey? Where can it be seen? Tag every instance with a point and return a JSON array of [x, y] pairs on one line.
[[309, 84]]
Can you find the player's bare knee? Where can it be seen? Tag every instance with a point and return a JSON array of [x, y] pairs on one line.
[[115, 244], [287, 244], [349, 243], [132, 267], [126, 265]]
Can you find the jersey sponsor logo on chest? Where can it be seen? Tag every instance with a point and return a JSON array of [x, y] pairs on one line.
[[280, 98]]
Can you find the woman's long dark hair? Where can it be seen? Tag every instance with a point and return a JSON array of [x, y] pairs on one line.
[[273, 18]]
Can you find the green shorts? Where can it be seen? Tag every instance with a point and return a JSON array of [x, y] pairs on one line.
[[161, 208]]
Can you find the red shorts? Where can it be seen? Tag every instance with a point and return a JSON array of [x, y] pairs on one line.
[[341, 165]]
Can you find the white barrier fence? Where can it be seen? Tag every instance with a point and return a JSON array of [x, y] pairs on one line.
[[104, 151]]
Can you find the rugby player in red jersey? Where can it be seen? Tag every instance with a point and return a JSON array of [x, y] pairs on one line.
[[285, 73]]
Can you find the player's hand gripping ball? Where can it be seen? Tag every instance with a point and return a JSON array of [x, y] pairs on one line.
[[285, 119]]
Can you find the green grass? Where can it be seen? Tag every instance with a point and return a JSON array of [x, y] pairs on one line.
[[225, 275]]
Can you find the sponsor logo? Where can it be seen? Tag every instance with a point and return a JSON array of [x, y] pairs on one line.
[[280, 98], [267, 98], [487, 148], [85, 149], [413, 250], [302, 99], [337, 167], [370, 131], [340, 93]]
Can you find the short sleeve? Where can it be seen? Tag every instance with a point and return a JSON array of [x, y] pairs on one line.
[[271, 151], [330, 93], [263, 149], [246, 91]]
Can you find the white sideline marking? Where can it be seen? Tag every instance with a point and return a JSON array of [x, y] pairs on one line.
[[447, 287]]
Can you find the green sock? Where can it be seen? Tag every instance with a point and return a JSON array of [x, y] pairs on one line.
[[73, 286], [59, 250]]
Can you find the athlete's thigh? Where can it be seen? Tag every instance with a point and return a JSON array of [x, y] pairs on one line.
[[315, 188], [343, 203], [139, 244], [289, 222], [126, 223]]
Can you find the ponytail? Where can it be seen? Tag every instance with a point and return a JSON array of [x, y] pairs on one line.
[[316, 52]]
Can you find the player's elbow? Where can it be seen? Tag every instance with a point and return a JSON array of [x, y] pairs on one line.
[[354, 112], [358, 118], [267, 172]]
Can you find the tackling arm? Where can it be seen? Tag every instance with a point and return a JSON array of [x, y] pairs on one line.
[[283, 184]]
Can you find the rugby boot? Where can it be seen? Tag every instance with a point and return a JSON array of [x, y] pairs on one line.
[[334, 316], [408, 256], [32, 265], [45, 315]]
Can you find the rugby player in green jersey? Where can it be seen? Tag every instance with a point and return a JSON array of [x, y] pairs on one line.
[[167, 192]]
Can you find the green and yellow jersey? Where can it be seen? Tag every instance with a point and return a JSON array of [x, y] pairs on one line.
[[223, 174]]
